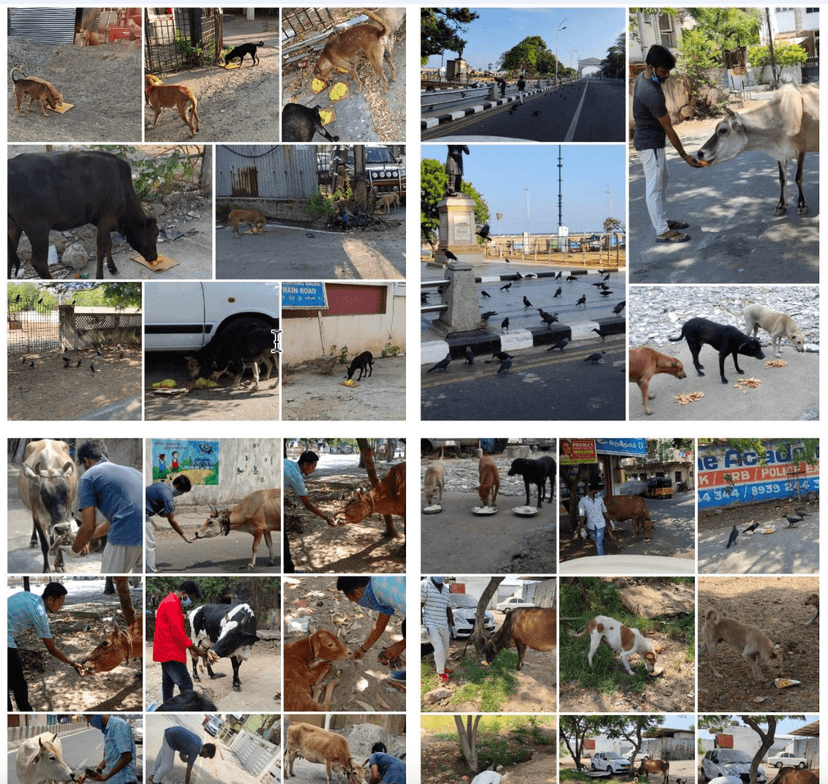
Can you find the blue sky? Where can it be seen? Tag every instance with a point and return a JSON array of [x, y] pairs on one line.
[[783, 727], [589, 30], [501, 172]]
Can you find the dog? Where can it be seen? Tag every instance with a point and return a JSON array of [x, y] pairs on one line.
[[645, 362], [88, 38], [777, 325], [434, 481], [745, 637], [388, 200], [725, 339], [489, 478], [813, 600], [150, 80], [300, 123], [179, 95], [535, 472], [344, 49], [254, 218], [620, 638], [241, 51], [395, 18], [36, 89], [364, 363]]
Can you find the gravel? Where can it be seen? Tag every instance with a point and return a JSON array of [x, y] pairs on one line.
[[29, 55], [461, 476]]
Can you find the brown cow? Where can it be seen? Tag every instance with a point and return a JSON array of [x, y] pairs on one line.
[[326, 748], [301, 677], [630, 507], [387, 497], [526, 627], [645, 362], [259, 514], [119, 646], [655, 766], [489, 481], [794, 776]]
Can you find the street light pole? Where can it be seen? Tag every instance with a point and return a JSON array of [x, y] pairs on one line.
[[560, 27], [528, 219], [572, 60]]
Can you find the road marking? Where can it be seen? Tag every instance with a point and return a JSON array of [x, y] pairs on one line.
[[574, 124]]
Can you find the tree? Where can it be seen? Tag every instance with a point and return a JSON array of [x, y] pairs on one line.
[[481, 209], [630, 728], [615, 63], [440, 30], [476, 637], [468, 738], [433, 184], [573, 731], [367, 455], [785, 53], [531, 55], [727, 28], [611, 224]]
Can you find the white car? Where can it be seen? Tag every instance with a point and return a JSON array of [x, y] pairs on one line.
[[464, 609], [787, 758], [610, 762], [512, 603], [728, 762]]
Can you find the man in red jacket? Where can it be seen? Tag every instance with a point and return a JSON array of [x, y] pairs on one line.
[[170, 644]]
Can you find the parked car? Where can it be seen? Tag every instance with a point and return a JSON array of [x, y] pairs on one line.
[[640, 757], [213, 725], [464, 608], [729, 762], [138, 730], [659, 487], [609, 762], [787, 758], [512, 603]]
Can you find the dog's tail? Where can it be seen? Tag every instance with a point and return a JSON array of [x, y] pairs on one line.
[[20, 70], [386, 28], [680, 337], [581, 633], [732, 313]]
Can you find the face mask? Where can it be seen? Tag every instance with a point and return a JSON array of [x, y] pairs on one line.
[[96, 721], [175, 491], [654, 78], [186, 601]]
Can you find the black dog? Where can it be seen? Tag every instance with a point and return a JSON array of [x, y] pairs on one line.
[[364, 362], [535, 472], [726, 340], [241, 52], [300, 123]]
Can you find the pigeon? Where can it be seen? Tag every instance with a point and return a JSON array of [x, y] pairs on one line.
[[581, 301], [600, 331], [792, 521], [485, 294], [619, 307], [561, 344], [504, 366], [504, 324], [733, 534], [802, 513], [469, 355], [596, 357], [526, 303], [91, 367], [488, 314], [558, 292], [79, 363], [442, 364], [506, 287], [751, 528], [450, 255]]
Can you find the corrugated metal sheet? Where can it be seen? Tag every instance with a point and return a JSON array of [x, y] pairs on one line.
[[266, 171], [43, 25]]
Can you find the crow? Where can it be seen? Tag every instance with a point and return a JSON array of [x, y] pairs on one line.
[[733, 534], [802, 513], [92, 367], [488, 314], [31, 365], [596, 357], [17, 299], [97, 353], [484, 233], [469, 355], [121, 355], [570, 278], [519, 276], [792, 521], [558, 276], [442, 364], [558, 292], [501, 355], [485, 294], [561, 344], [536, 113], [506, 287], [79, 363], [506, 260], [619, 307], [504, 366], [504, 324], [581, 301], [751, 528], [600, 331], [604, 286], [450, 255], [605, 293], [66, 360], [607, 276], [22, 360], [597, 285], [526, 303]]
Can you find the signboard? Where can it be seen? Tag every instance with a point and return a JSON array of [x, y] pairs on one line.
[[462, 227], [198, 460], [304, 296], [578, 450], [625, 447]]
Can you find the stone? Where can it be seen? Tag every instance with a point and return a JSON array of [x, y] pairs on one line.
[[75, 256]]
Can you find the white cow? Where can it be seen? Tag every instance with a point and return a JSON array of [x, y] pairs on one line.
[[40, 761]]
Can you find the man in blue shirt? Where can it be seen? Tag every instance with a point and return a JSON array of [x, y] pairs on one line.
[[118, 763], [117, 491], [295, 473], [160, 500], [385, 768], [189, 748]]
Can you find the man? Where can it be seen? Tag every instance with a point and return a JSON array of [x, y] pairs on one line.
[[436, 617], [386, 596], [171, 642], [118, 764], [29, 611], [521, 85], [652, 128], [160, 500], [295, 473], [385, 768], [117, 491], [189, 748], [593, 512]]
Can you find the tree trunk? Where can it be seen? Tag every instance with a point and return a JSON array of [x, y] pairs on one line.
[[367, 455], [468, 738], [122, 584], [477, 634]]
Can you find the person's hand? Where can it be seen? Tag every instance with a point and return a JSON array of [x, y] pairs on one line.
[[357, 654], [79, 668], [188, 539], [330, 521], [691, 161], [198, 651], [82, 553]]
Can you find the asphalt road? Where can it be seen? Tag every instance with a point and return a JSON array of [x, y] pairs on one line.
[[589, 110]]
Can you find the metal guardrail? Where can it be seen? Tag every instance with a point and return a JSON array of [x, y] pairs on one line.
[[19, 734]]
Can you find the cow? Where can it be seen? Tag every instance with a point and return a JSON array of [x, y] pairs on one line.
[[119, 646], [259, 514], [40, 761], [64, 190], [535, 472], [489, 478], [654, 766], [326, 748], [387, 497], [645, 362], [784, 128], [794, 776], [226, 631], [525, 627], [630, 507], [47, 485], [301, 676]]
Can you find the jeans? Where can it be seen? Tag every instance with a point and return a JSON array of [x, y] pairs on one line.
[[597, 536], [17, 682], [657, 178], [174, 673]]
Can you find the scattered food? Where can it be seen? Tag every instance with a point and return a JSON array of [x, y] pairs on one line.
[[167, 383], [784, 683], [338, 92], [775, 363], [751, 383], [317, 85], [686, 398]]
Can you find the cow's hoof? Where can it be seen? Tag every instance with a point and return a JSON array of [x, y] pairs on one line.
[[236, 688], [780, 211], [803, 210]]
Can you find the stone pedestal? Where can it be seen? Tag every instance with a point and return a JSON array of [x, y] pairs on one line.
[[457, 227], [460, 296]]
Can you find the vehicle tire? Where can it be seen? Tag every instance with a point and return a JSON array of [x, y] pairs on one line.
[[801, 765], [592, 766]]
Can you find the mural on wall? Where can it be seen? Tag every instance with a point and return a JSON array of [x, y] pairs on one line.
[[199, 460], [727, 477]]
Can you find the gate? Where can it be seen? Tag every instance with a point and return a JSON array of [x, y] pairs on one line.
[[33, 330], [182, 38]]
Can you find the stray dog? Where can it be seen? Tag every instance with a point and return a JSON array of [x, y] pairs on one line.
[[433, 482], [364, 363], [395, 18], [813, 600], [489, 481], [535, 472], [620, 638], [150, 80], [254, 218], [300, 123], [301, 677], [178, 95], [645, 362], [388, 200], [725, 339], [744, 637], [777, 325], [241, 52], [344, 49], [37, 89], [88, 38]]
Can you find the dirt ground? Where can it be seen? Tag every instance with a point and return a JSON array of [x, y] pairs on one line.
[[102, 82], [314, 603], [776, 606], [50, 391]]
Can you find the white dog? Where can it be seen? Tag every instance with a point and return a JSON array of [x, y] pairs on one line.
[[777, 325], [620, 638]]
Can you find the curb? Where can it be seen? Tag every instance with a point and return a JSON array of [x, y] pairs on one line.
[[443, 119], [558, 274]]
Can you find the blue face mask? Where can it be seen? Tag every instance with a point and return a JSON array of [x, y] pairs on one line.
[[96, 721], [186, 601]]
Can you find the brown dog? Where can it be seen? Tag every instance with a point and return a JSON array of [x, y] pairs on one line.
[[395, 18], [745, 638], [253, 218], [301, 677], [178, 95], [645, 362], [37, 89], [151, 80], [489, 478], [385, 201], [344, 50]]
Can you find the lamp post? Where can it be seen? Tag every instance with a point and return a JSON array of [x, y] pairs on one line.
[[573, 61], [528, 221], [560, 27]]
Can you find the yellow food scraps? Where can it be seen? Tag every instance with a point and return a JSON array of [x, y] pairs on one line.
[[327, 115], [203, 383], [752, 383], [167, 383], [775, 363], [339, 91], [317, 85], [685, 398]]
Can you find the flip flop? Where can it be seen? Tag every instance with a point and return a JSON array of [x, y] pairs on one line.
[[675, 225], [672, 236]]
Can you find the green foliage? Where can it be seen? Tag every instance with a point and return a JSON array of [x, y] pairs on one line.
[[212, 588], [441, 28], [320, 206], [784, 54], [152, 178], [433, 184], [490, 685], [343, 355], [726, 28], [614, 66], [481, 209], [389, 350], [531, 56], [118, 295], [223, 212], [611, 224], [699, 55], [192, 55]]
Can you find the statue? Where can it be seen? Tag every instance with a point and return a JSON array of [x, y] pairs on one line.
[[454, 167]]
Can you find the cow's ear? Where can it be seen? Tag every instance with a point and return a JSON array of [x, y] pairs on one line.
[[729, 112], [115, 627], [227, 617]]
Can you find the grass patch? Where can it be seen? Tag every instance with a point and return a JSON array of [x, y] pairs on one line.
[[487, 687], [573, 775]]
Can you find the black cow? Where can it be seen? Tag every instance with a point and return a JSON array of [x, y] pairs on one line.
[[229, 630], [64, 190], [535, 472]]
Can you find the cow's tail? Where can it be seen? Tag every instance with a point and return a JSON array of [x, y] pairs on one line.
[[19, 69], [386, 28]]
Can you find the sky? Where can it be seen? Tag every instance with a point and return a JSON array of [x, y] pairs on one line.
[[501, 172], [589, 30], [783, 727]]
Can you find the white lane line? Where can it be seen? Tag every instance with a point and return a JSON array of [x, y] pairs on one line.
[[570, 134]]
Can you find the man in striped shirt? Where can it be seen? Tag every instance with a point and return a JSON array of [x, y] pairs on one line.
[[437, 615]]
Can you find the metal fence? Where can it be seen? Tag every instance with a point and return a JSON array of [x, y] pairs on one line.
[[33, 330], [182, 38], [296, 22]]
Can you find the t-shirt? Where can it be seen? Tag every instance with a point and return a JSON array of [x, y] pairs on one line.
[[184, 742], [27, 611], [391, 768], [294, 478], [390, 591], [593, 511], [116, 491], [160, 499], [434, 612], [521, 85], [118, 739], [649, 104]]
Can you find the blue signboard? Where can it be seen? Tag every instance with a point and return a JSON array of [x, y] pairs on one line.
[[304, 296], [625, 447]]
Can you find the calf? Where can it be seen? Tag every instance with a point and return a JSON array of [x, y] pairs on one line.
[[227, 630], [489, 481], [259, 514], [326, 748], [386, 498], [120, 646], [64, 190], [434, 481], [301, 677], [40, 761], [645, 362], [525, 627], [300, 123], [794, 776], [630, 507], [535, 472], [654, 766]]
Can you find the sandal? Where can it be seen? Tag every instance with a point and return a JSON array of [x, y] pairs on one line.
[[676, 225], [672, 236]]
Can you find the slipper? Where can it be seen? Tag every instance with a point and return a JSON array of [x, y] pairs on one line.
[[672, 236], [676, 225]]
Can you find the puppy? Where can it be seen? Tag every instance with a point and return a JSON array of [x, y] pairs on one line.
[[388, 200], [744, 637], [344, 50], [813, 600], [300, 123], [777, 325], [241, 51], [178, 95], [37, 89], [254, 218], [620, 638]]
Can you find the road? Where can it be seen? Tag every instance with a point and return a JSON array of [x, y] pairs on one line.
[[589, 110]]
